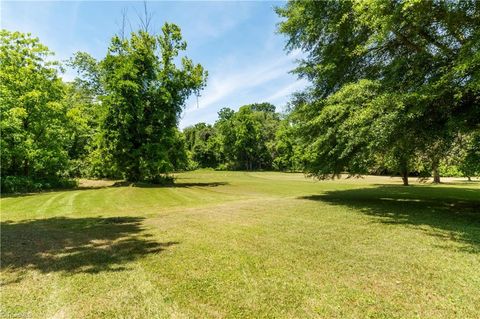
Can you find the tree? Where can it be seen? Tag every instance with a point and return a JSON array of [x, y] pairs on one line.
[[33, 119], [143, 92], [357, 117], [266, 108], [202, 143], [470, 165], [83, 120], [178, 152], [287, 151], [426, 53], [247, 136], [226, 136]]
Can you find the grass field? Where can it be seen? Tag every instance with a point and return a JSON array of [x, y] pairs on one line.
[[244, 245]]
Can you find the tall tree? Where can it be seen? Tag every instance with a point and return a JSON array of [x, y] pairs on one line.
[[226, 135], [33, 119], [143, 91], [425, 51]]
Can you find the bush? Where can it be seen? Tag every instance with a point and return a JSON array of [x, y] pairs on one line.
[[450, 171], [21, 184]]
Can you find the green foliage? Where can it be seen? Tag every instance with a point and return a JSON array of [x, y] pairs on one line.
[[203, 144], [253, 138], [34, 135], [24, 184], [351, 129], [143, 92], [422, 53], [178, 154], [246, 137], [395, 89], [245, 140], [288, 154], [83, 120], [470, 166]]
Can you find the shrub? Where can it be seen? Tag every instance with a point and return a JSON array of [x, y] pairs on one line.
[[21, 184]]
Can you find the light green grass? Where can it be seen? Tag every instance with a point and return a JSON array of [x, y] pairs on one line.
[[244, 245]]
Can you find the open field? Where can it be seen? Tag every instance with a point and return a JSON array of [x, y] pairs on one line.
[[244, 245]]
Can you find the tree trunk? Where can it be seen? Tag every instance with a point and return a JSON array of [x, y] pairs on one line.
[[469, 178], [404, 171], [436, 176], [405, 178], [436, 173]]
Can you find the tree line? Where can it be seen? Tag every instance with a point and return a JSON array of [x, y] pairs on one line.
[[255, 137], [394, 90], [117, 119]]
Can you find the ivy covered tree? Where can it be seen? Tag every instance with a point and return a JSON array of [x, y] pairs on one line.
[[203, 145], [143, 91]]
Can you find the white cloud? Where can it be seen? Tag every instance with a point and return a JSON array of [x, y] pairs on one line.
[[287, 90], [229, 83]]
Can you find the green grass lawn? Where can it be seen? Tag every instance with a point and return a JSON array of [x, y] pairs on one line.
[[244, 245]]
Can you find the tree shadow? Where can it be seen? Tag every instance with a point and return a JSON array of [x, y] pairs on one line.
[[449, 212], [182, 185], [120, 184], [75, 245]]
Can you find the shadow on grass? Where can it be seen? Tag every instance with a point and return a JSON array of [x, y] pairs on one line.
[[181, 185], [75, 245], [448, 212], [121, 184]]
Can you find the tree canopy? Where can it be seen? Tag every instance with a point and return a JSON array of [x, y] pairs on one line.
[[33, 119], [424, 54], [143, 93]]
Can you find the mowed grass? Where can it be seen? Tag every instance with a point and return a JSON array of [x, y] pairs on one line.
[[244, 245]]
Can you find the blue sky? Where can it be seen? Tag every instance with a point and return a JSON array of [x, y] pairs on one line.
[[235, 41]]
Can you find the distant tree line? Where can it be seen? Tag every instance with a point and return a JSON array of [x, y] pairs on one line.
[[253, 138], [395, 89]]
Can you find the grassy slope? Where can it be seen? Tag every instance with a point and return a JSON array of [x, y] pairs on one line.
[[235, 244]]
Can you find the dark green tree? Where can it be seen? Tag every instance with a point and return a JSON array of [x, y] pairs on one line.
[[201, 142], [425, 53], [226, 137]]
